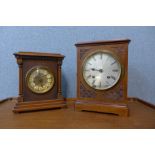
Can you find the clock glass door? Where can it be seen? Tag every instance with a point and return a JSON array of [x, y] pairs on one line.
[[101, 70], [39, 80]]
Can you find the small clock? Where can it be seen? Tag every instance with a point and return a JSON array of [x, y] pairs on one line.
[[102, 73], [39, 81]]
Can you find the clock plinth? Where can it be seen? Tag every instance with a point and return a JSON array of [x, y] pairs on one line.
[[39, 81], [120, 109], [102, 73], [39, 105]]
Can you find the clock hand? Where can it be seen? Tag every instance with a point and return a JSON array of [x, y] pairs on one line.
[[100, 70], [39, 74], [41, 82], [43, 75]]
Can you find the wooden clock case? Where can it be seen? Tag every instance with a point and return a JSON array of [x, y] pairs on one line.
[[27, 100], [113, 100]]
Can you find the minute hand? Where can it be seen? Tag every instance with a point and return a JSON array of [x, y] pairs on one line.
[[103, 63]]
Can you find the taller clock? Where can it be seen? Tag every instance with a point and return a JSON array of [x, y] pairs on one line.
[[102, 71], [39, 81]]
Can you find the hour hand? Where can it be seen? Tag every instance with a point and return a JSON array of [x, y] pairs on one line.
[[99, 70], [94, 69]]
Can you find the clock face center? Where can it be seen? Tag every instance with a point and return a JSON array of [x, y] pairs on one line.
[[40, 79], [101, 70]]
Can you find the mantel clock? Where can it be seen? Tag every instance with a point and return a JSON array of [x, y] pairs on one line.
[[102, 72], [39, 81]]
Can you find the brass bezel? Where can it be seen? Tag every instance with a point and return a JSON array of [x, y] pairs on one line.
[[107, 52], [28, 75]]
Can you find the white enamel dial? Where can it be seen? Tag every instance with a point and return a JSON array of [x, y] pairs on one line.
[[101, 70]]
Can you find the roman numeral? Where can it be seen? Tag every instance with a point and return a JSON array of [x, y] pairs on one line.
[[88, 76], [101, 56], [115, 70], [113, 62], [93, 82], [113, 77], [107, 83], [94, 58], [100, 85]]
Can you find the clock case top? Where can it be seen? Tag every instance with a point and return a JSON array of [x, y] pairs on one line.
[[29, 100], [38, 54], [117, 95]]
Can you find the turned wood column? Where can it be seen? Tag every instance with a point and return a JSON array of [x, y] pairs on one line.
[[59, 79], [20, 65]]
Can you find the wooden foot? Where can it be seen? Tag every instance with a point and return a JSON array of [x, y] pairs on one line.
[[120, 109], [38, 105]]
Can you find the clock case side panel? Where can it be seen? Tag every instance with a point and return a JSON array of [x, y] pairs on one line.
[[47, 103], [97, 104]]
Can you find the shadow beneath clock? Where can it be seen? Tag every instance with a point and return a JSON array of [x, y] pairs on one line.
[[95, 112], [39, 110]]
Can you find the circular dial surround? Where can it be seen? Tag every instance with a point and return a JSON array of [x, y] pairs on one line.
[[101, 70], [39, 80]]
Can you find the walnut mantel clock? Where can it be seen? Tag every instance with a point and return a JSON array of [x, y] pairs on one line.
[[39, 81], [102, 72]]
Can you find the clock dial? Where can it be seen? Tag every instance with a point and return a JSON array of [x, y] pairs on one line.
[[101, 70], [39, 80]]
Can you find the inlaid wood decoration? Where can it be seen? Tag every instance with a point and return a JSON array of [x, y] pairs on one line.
[[39, 81], [102, 73]]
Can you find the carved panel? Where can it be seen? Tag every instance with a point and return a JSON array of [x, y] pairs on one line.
[[83, 52], [85, 93], [119, 48], [116, 94]]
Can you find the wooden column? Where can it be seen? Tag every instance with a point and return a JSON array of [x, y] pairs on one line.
[[59, 79], [20, 65]]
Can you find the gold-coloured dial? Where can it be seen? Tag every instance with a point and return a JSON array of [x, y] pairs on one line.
[[39, 80]]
